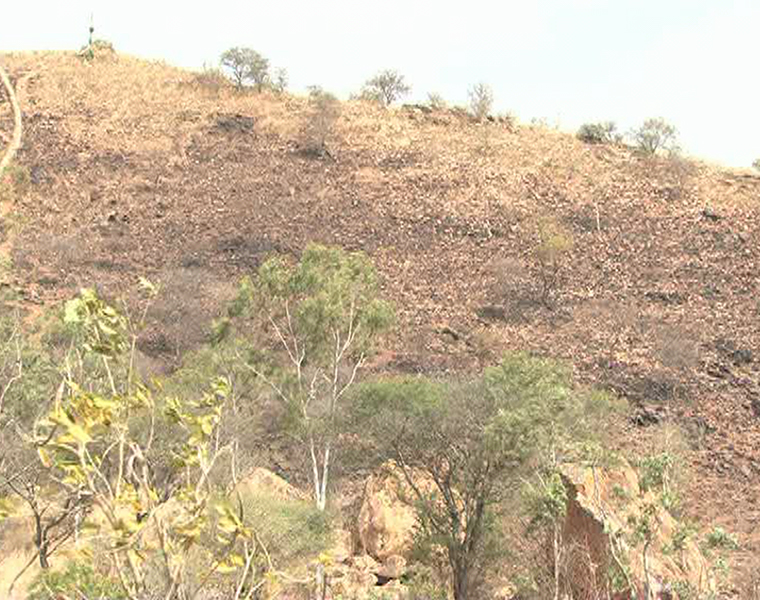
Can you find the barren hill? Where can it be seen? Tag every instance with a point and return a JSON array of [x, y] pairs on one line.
[[135, 168]]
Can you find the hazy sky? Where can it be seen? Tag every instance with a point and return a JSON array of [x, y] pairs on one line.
[[693, 62]]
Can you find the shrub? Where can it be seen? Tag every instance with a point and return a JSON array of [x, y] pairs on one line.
[[75, 580], [553, 244], [324, 112], [475, 441], [435, 101], [280, 81], [386, 87], [290, 529], [756, 164], [604, 132], [655, 134], [15, 181], [245, 64], [481, 100], [210, 79], [719, 538]]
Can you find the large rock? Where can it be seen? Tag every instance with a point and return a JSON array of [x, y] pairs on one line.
[[262, 480], [386, 522], [601, 502]]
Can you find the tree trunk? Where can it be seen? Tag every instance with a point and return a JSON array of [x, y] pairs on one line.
[[40, 540], [461, 583]]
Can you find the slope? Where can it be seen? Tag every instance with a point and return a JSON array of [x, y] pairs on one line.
[[136, 168]]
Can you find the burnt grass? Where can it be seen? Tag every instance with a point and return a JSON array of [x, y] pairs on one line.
[[657, 300]]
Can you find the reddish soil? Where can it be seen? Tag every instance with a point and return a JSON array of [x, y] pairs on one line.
[[135, 170]]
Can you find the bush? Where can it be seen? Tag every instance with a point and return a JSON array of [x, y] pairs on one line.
[[98, 48], [210, 79], [76, 580], [474, 441], [435, 101], [280, 81], [655, 134], [481, 100], [756, 164], [15, 181], [386, 87], [554, 242], [604, 132], [291, 530], [324, 112]]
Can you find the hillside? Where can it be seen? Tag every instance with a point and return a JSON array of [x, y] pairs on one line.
[[137, 170]]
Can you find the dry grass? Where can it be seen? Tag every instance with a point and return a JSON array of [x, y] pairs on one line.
[[132, 175]]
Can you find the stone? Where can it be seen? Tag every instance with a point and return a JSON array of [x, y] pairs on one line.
[[393, 567], [600, 503], [386, 523]]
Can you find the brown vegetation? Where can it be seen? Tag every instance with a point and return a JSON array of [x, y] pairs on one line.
[[135, 171]]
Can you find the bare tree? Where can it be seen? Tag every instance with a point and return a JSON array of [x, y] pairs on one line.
[[324, 112], [655, 134], [481, 100]]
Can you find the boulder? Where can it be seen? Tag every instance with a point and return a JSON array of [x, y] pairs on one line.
[[262, 480], [340, 549], [393, 567], [600, 504], [386, 523]]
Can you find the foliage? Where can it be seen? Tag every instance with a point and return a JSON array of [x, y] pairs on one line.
[[76, 580], [719, 538], [655, 134], [435, 101], [472, 440], [603, 132], [386, 87], [245, 64], [655, 470], [324, 112], [210, 79], [280, 80], [481, 100], [292, 530], [15, 181], [553, 244], [324, 316], [87, 442]]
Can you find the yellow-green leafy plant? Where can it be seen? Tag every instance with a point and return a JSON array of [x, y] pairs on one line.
[[88, 442]]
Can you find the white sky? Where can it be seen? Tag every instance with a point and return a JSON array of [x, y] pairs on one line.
[[693, 62]]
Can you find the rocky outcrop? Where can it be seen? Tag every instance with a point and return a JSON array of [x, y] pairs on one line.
[[602, 506], [386, 521], [385, 534], [262, 480]]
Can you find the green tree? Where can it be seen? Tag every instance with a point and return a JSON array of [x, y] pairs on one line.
[[386, 87], [324, 315], [474, 440], [245, 64]]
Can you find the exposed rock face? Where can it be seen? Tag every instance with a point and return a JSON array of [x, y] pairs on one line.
[[602, 501], [386, 523], [385, 530], [262, 480]]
